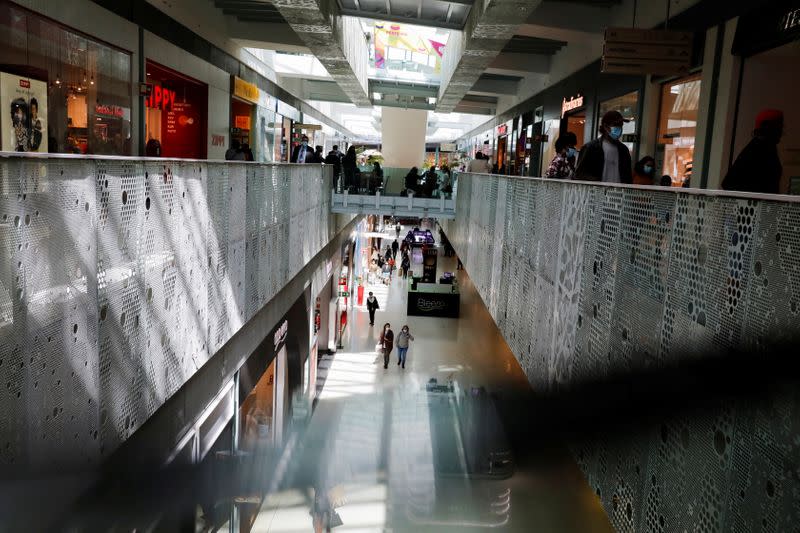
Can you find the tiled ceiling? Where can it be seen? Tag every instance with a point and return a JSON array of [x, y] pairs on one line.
[[449, 14]]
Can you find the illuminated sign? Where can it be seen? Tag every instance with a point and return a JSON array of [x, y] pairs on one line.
[[109, 110], [243, 123], [244, 90], [571, 104], [502, 129], [161, 98]]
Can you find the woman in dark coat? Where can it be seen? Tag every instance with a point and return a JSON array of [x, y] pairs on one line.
[[387, 343], [349, 167]]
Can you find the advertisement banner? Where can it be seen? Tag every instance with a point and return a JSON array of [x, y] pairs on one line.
[[23, 120]]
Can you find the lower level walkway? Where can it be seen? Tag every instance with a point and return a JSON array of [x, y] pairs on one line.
[[390, 453]]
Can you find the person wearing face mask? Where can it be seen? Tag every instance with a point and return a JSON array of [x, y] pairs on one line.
[[386, 343], [644, 171], [606, 159], [403, 339], [303, 153], [562, 165]]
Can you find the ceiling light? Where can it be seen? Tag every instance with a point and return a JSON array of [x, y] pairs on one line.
[[376, 96], [431, 100]]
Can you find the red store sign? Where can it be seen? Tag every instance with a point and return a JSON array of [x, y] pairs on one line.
[[161, 98], [502, 129]]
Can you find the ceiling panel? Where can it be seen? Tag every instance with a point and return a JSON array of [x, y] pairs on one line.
[[448, 14]]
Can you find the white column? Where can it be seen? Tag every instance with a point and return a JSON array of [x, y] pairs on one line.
[[403, 137]]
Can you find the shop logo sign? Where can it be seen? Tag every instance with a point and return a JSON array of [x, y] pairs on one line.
[[790, 20], [426, 306], [161, 98], [280, 334], [572, 104], [25, 84]]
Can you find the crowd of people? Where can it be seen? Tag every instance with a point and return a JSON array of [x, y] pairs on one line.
[[607, 159], [428, 184]]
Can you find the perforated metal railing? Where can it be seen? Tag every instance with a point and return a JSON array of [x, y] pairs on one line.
[[584, 280], [120, 278]]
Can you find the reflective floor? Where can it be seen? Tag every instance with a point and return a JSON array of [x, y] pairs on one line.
[[386, 451]]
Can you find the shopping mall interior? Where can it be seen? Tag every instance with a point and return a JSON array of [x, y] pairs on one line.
[[399, 265]]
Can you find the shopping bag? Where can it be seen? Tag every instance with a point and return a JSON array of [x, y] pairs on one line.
[[335, 520], [379, 349]]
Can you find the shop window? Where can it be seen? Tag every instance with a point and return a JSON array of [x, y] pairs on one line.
[[677, 128], [176, 114], [628, 106], [71, 93]]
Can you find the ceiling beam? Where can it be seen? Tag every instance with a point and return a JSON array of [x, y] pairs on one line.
[[403, 19], [486, 32]]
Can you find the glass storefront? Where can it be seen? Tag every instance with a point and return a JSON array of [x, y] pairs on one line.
[[176, 116], [677, 128], [628, 106], [68, 92]]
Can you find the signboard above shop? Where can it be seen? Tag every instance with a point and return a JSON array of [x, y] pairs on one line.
[[636, 51], [245, 90]]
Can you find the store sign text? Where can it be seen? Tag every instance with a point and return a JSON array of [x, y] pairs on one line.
[[790, 20], [280, 334], [109, 110], [571, 104], [217, 140], [502, 129], [244, 90], [161, 98]]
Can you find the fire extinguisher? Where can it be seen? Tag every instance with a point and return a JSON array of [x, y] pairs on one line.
[[342, 325]]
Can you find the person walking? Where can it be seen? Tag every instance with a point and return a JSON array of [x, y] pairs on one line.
[[606, 159], [387, 343], [405, 265], [562, 165], [334, 158], [758, 167], [303, 153], [372, 306], [397, 229], [403, 339], [395, 247], [479, 165], [388, 253]]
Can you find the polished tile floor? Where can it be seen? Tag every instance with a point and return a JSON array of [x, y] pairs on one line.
[[394, 456]]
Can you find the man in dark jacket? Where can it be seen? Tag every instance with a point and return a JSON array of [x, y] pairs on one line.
[[372, 306], [606, 159], [334, 158], [758, 167], [395, 247], [303, 153]]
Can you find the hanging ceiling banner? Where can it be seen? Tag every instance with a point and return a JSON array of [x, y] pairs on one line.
[[641, 52]]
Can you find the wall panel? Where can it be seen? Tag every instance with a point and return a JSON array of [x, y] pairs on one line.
[[603, 280]]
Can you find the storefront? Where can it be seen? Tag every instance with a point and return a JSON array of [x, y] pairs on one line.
[[244, 105], [768, 41], [501, 159], [62, 91], [177, 114], [677, 128]]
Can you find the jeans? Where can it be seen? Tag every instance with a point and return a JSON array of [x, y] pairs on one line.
[[401, 355]]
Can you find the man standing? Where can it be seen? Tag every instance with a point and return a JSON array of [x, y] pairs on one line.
[[395, 246], [334, 158], [758, 167], [606, 159], [372, 306], [479, 165], [303, 153]]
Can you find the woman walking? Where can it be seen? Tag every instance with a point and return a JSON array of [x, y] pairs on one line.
[[403, 339], [405, 265], [387, 343]]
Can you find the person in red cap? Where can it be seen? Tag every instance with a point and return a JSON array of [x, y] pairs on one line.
[[758, 167], [606, 158]]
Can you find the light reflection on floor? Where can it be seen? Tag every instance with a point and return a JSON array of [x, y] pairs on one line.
[[400, 455]]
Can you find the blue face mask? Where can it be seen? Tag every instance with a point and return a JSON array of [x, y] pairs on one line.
[[615, 132], [571, 152], [648, 169]]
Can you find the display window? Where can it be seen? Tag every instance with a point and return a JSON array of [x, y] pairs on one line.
[[575, 122], [176, 114], [62, 91], [677, 128], [628, 106]]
